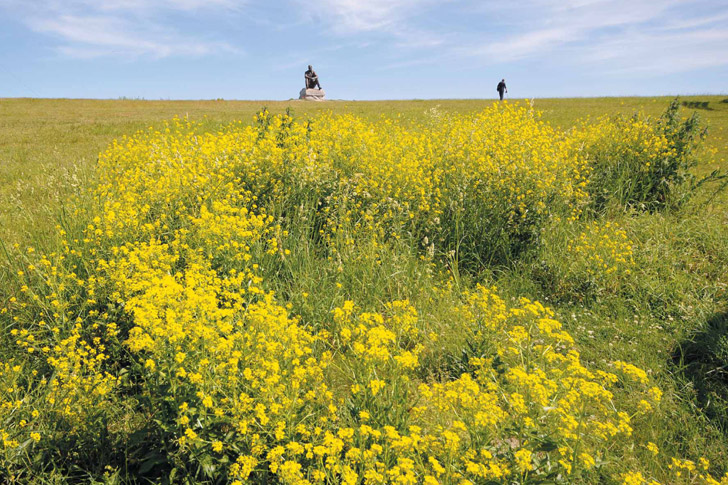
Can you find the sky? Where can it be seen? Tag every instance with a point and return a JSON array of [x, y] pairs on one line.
[[361, 49]]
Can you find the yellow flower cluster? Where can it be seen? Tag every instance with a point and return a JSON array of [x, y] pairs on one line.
[[471, 183], [629, 139], [586, 257], [164, 296], [631, 161], [602, 251]]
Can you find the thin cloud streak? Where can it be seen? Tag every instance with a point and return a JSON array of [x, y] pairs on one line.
[[87, 29], [649, 53], [356, 16], [551, 25], [96, 36], [624, 36]]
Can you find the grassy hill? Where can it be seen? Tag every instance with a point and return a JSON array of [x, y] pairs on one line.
[[635, 280]]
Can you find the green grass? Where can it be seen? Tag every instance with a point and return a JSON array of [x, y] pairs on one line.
[[670, 318]]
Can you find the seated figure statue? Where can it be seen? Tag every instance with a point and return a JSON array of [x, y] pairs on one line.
[[312, 81]]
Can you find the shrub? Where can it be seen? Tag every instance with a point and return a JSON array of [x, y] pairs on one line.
[[640, 162]]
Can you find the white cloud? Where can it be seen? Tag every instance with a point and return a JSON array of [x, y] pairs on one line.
[[95, 36], [134, 6], [645, 37], [353, 16], [649, 53], [397, 21], [615, 35], [545, 25], [126, 28], [96, 31], [692, 23], [641, 36], [523, 45]]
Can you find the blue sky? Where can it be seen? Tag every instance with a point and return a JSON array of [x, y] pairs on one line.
[[361, 49]]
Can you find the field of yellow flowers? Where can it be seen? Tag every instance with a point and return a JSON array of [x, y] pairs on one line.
[[312, 301]]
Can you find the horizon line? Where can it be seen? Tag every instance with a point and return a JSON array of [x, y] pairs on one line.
[[141, 98]]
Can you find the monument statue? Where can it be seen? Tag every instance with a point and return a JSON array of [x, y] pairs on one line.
[[312, 80], [312, 91]]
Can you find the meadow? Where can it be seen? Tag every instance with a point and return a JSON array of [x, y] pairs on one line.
[[446, 291]]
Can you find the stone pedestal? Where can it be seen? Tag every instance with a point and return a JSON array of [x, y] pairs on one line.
[[312, 94]]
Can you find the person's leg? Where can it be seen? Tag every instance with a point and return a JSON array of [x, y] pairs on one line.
[[501, 95]]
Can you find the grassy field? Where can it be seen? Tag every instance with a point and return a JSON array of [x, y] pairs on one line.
[[663, 309]]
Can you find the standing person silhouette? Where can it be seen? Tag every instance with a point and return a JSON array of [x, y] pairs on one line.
[[502, 88]]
